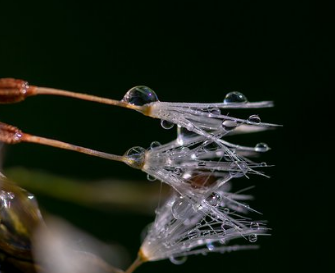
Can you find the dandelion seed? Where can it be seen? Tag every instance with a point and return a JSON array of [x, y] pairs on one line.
[[193, 232]]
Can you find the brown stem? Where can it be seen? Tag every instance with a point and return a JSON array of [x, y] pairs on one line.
[[135, 264]]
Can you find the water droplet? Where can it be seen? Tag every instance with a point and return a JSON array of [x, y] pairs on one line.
[[261, 147], [180, 208], [155, 144], [140, 95], [210, 246], [151, 178], [178, 260], [229, 125], [214, 111], [235, 97], [263, 164], [178, 171], [214, 199], [226, 210], [136, 156], [202, 163], [252, 238], [166, 124], [254, 119]]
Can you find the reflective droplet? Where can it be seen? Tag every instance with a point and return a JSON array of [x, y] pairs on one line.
[[226, 210], [229, 125], [140, 95], [136, 156], [151, 178], [155, 144], [214, 199], [263, 164], [166, 124], [178, 260], [214, 111], [254, 119], [180, 208], [178, 171], [252, 238], [261, 147], [235, 97], [210, 246], [202, 163]]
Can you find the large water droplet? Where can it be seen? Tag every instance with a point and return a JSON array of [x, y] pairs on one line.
[[180, 208], [166, 124], [261, 147], [214, 199], [229, 125], [136, 155], [140, 95], [178, 260], [235, 97], [254, 119]]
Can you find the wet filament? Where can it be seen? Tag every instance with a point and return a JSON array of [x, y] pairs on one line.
[[14, 90], [12, 135]]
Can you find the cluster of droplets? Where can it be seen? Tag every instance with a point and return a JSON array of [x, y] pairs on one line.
[[202, 216], [183, 229]]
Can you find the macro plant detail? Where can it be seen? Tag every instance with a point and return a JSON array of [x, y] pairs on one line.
[[202, 215]]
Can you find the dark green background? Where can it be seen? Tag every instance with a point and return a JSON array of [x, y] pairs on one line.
[[194, 51]]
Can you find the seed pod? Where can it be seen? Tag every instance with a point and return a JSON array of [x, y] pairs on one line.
[[13, 90]]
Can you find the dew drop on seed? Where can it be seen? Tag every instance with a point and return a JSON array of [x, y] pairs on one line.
[[254, 119], [166, 124], [151, 178], [235, 97], [214, 111], [136, 154], [178, 171], [180, 208], [210, 246], [226, 210], [155, 144], [140, 95], [261, 147], [202, 163], [252, 238], [178, 260], [214, 199], [229, 125]]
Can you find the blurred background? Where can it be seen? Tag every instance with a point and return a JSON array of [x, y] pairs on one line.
[[187, 51]]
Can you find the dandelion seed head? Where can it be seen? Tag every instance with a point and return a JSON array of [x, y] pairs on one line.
[[180, 229]]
